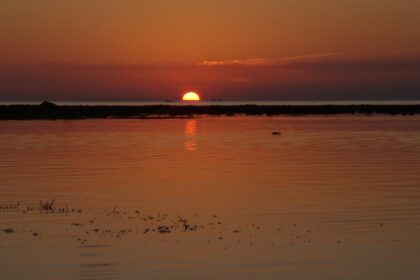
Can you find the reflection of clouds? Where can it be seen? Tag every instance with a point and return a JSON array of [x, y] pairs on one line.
[[190, 135]]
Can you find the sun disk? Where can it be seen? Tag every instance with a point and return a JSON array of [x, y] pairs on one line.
[[191, 96]]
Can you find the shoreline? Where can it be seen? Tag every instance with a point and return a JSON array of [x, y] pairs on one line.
[[50, 111]]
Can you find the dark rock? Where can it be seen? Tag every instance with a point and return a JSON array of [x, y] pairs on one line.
[[48, 110], [276, 133], [8, 230], [47, 105], [163, 229]]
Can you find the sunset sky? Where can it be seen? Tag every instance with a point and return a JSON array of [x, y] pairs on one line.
[[232, 49]]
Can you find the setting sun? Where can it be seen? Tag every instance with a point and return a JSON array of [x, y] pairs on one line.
[[191, 96]]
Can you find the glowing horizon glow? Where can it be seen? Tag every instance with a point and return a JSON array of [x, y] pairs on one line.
[[191, 96]]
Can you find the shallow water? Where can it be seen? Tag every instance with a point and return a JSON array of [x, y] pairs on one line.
[[330, 198]]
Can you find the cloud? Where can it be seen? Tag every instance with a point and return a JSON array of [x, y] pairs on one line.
[[317, 76], [268, 61]]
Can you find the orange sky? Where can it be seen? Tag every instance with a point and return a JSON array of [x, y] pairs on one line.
[[208, 33]]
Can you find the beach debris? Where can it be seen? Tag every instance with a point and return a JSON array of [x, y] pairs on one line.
[[276, 133]]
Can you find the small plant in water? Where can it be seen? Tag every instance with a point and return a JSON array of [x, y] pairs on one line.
[[10, 207], [47, 206]]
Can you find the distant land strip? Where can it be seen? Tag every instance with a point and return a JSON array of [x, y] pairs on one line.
[[50, 111]]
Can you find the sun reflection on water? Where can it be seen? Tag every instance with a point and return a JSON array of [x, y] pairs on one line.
[[190, 135]]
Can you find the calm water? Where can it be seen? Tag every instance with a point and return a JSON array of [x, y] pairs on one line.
[[331, 198]]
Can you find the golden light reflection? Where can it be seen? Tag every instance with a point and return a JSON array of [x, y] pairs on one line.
[[190, 135]]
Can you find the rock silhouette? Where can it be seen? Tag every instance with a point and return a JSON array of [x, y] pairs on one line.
[[48, 110], [47, 105]]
